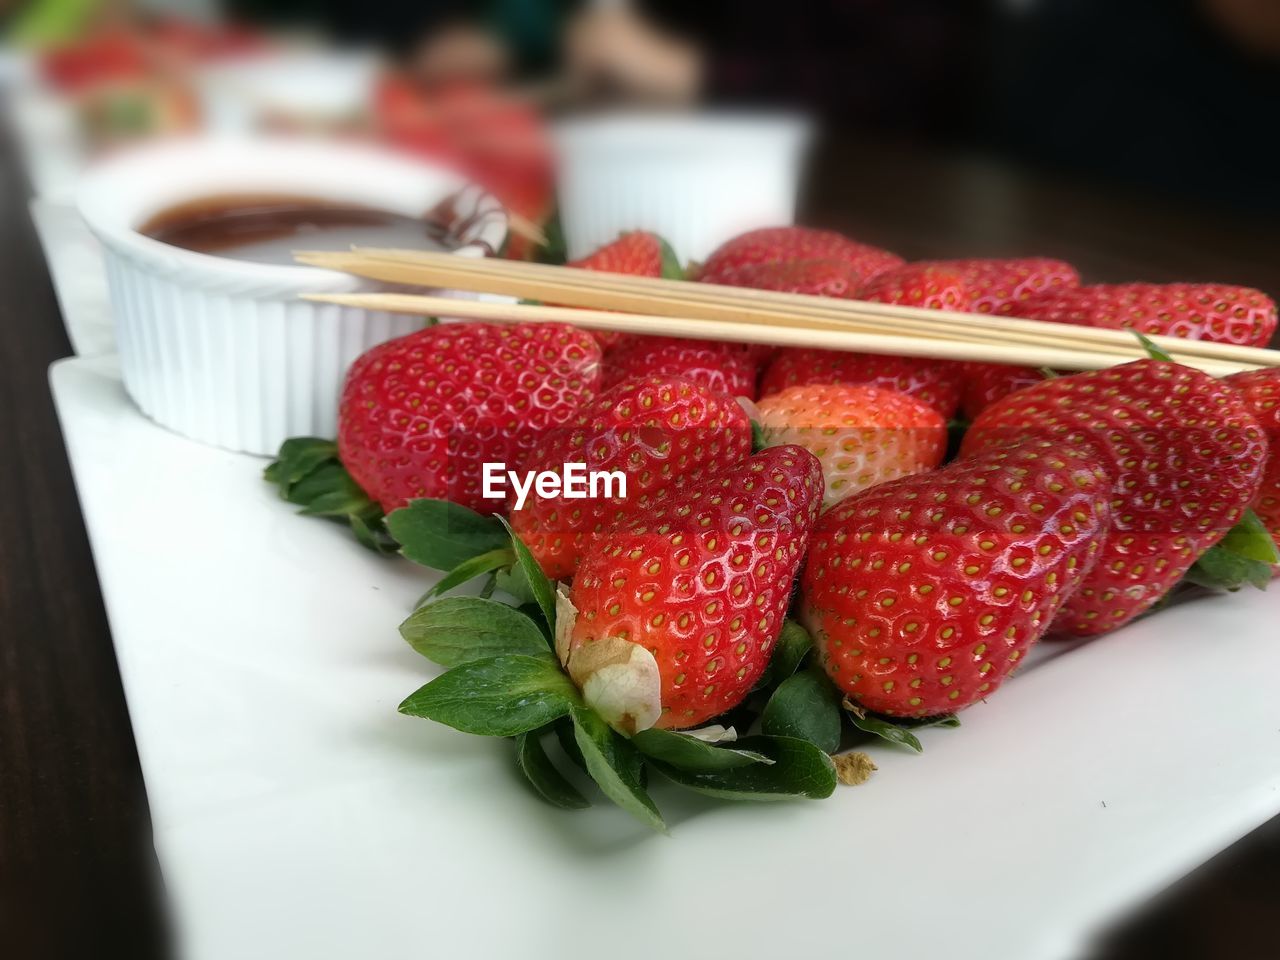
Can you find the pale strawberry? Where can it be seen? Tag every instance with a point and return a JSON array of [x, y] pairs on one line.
[[861, 435]]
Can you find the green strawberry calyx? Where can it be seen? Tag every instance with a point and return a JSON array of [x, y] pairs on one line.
[[583, 716], [308, 473]]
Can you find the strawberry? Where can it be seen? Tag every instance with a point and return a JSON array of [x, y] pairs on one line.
[[918, 285], [1185, 458], [1194, 311], [789, 244], [936, 382], [637, 254], [998, 286], [657, 431], [419, 415], [818, 278], [723, 367], [922, 594], [1261, 391], [985, 383], [862, 436], [703, 580]]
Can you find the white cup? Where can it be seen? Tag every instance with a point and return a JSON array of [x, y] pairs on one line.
[[222, 350], [697, 180]]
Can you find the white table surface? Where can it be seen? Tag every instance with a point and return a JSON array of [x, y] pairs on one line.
[[297, 814]]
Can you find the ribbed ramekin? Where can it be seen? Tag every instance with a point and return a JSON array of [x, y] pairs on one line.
[[223, 351], [696, 179]]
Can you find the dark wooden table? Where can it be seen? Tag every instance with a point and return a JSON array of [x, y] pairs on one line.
[[77, 871]]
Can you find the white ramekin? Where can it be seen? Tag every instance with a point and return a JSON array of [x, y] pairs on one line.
[[696, 179], [223, 351]]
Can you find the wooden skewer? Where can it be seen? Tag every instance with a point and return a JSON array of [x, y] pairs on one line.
[[709, 301], [792, 335]]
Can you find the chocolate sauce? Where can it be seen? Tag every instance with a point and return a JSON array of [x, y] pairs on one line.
[[268, 228]]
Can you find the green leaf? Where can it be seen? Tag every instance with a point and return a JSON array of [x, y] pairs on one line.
[[671, 269], [1250, 538], [1245, 555], [547, 781], [949, 720], [514, 584], [615, 765], [806, 706], [1154, 352], [441, 535], [496, 697], [564, 730], [887, 730], [689, 753], [299, 456], [543, 593], [553, 251], [308, 473], [794, 644], [469, 570], [799, 769], [759, 439], [1223, 570], [456, 630], [328, 490], [373, 534]]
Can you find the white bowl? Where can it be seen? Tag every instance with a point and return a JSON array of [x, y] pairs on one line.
[[222, 350], [313, 89], [695, 179]]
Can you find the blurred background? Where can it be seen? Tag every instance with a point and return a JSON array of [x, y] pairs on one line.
[[1158, 106], [1169, 97]]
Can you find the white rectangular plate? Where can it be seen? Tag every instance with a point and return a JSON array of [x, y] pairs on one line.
[[297, 814]]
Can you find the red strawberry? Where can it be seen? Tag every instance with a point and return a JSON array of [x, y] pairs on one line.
[[637, 254], [936, 382], [1185, 457], [788, 244], [1261, 391], [998, 286], [985, 383], [703, 581], [819, 278], [723, 367], [924, 593], [419, 415], [657, 431], [1194, 311], [918, 285], [862, 436]]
